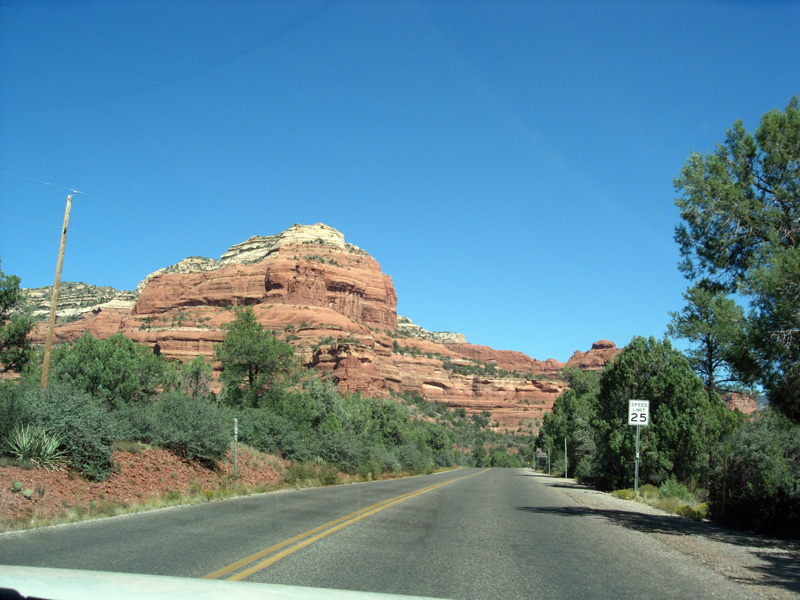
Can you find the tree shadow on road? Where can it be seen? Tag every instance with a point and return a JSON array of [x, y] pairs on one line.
[[780, 559]]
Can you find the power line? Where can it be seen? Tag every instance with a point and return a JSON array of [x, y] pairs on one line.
[[26, 220], [274, 34], [55, 185], [183, 232]]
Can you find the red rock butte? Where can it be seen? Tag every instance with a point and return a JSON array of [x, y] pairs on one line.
[[330, 300]]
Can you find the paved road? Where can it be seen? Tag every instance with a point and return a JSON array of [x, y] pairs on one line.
[[471, 534]]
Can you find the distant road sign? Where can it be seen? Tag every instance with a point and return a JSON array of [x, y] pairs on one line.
[[639, 412]]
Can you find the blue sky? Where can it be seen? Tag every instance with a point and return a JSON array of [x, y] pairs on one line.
[[509, 164]]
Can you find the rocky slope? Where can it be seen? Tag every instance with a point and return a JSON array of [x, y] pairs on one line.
[[332, 302], [77, 299]]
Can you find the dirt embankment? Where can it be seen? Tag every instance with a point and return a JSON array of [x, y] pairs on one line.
[[141, 477]]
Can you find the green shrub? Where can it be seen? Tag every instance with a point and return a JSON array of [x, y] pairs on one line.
[[137, 421], [116, 370], [648, 491], [691, 512], [758, 484], [672, 488], [369, 469], [262, 429], [36, 445], [14, 409], [505, 460], [626, 494], [414, 460], [314, 472], [132, 446], [348, 452], [81, 421], [445, 458], [193, 428]]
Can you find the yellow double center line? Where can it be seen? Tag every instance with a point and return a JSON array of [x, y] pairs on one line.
[[313, 535]]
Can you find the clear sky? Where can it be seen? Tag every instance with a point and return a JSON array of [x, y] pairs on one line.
[[509, 164]]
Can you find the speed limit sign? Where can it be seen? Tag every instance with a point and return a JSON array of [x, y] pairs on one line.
[[639, 412]]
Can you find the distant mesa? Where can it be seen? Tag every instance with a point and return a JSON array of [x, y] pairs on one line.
[[331, 301]]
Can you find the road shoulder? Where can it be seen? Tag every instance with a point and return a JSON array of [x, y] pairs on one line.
[[767, 566]]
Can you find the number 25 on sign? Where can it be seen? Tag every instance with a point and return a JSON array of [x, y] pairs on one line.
[[639, 412]]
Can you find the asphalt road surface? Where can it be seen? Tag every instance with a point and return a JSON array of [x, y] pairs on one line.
[[464, 534]]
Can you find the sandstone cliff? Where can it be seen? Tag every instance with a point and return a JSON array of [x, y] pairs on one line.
[[406, 327], [742, 402], [76, 300], [332, 302]]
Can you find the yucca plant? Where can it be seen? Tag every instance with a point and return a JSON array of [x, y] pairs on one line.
[[36, 445]]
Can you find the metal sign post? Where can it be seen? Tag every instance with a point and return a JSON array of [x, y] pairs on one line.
[[235, 443], [541, 454], [639, 416]]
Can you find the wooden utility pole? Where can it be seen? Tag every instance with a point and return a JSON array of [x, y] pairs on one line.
[[54, 299]]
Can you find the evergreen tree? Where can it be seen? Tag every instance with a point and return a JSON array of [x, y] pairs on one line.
[[15, 325], [686, 422], [740, 207], [256, 365], [116, 370], [713, 323]]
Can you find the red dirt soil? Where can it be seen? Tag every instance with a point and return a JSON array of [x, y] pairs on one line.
[[142, 476]]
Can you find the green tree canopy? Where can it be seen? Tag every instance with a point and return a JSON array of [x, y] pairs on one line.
[[713, 323], [255, 363], [15, 325], [740, 207], [195, 377], [686, 422], [574, 417], [116, 370], [758, 483]]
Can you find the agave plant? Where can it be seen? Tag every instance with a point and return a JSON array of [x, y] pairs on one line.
[[36, 445]]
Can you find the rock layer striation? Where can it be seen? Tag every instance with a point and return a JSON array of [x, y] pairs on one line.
[[331, 301]]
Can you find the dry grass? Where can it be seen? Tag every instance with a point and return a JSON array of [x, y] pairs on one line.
[[691, 510]]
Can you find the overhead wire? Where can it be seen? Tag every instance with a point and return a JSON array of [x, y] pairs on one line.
[[274, 34], [182, 232]]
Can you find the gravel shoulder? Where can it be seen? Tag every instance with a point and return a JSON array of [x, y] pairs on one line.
[[767, 566]]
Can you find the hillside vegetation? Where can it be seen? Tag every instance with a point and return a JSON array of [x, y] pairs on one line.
[[740, 241], [105, 391]]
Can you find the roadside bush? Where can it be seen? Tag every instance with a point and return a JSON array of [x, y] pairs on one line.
[[505, 460], [14, 410], [626, 494], [36, 445], [344, 450], [68, 422], [193, 428], [311, 473], [446, 458], [690, 512], [137, 421], [116, 370], [263, 429], [414, 460], [648, 491], [386, 458], [672, 488], [369, 468], [758, 486], [81, 421]]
